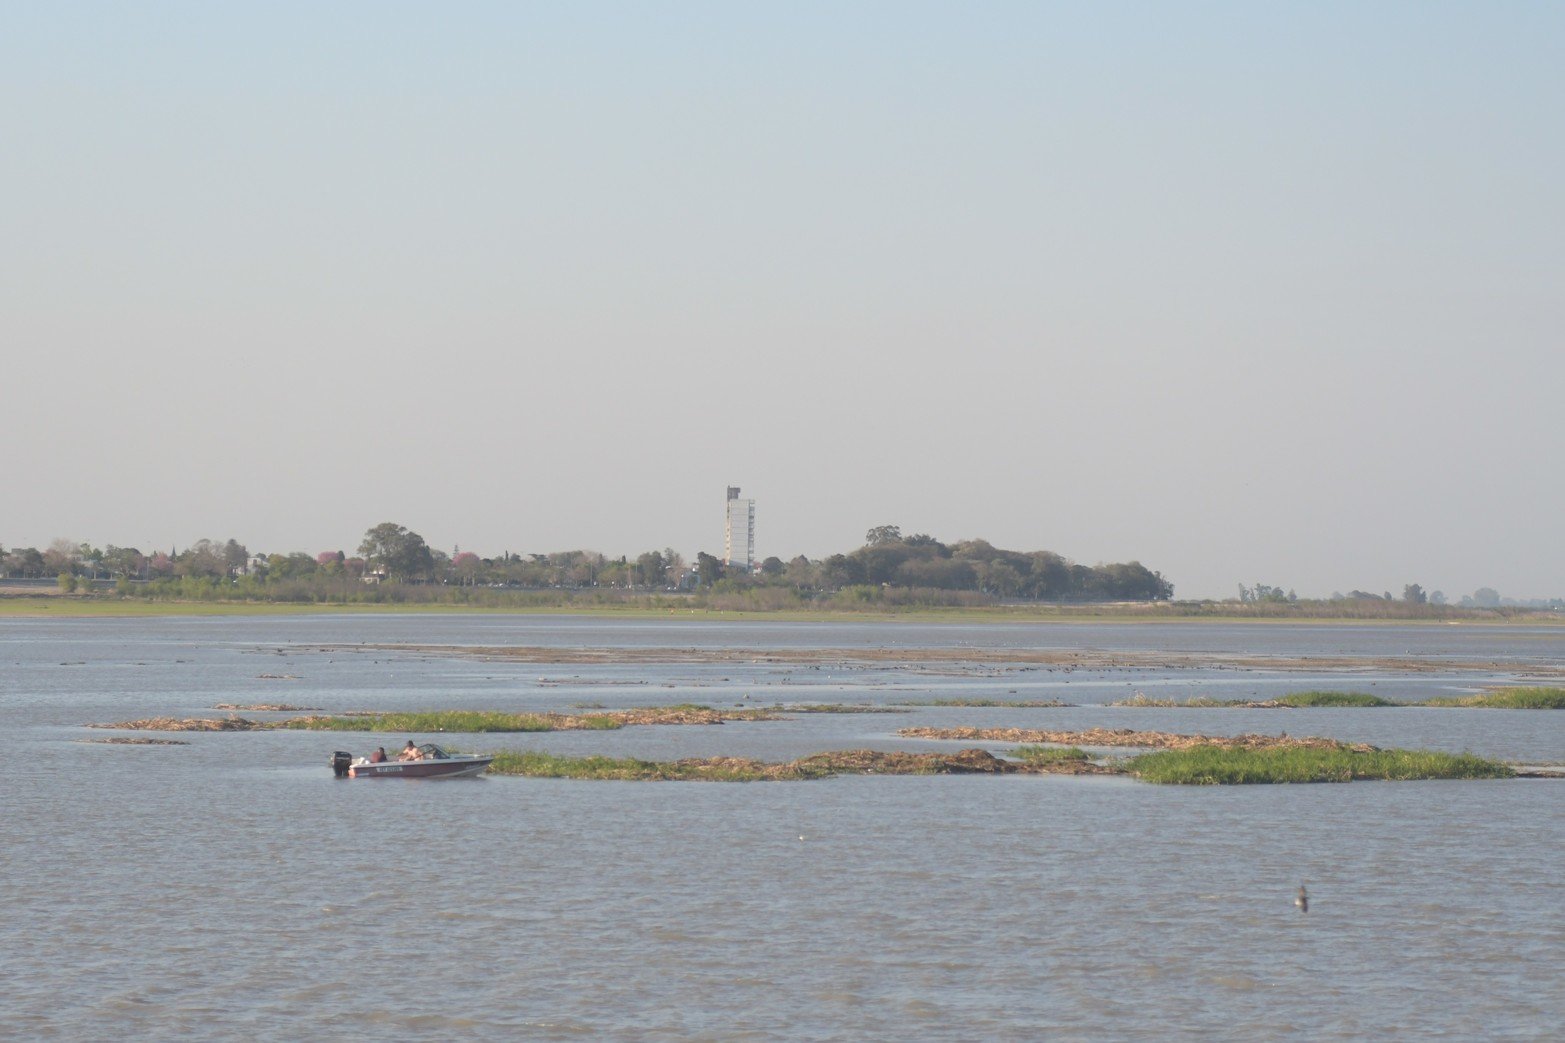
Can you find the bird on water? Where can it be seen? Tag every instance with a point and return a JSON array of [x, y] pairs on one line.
[[1303, 900]]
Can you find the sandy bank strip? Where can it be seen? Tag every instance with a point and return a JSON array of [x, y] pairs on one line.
[[1049, 659]]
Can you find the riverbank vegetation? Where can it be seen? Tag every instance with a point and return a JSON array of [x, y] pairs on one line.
[[891, 574], [395, 565]]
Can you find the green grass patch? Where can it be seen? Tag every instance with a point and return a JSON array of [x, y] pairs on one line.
[[1049, 754], [1508, 699], [1219, 766], [1334, 699], [1204, 701]]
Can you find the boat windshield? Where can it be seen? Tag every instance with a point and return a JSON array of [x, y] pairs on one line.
[[433, 752]]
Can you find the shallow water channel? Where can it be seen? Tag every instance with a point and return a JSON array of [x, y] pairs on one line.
[[232, 888]]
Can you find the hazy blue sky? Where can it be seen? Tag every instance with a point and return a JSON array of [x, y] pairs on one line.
[[1245, 291]]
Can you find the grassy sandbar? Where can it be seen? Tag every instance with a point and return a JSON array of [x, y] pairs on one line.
[[1209, 765], [1049, 754], [1508, 699]]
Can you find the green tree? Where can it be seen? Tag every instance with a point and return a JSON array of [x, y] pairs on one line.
[[62, 556], [401, 552], [236, 557], [883, 534], [468, 568], [297, 565], [840, 570], [204, 559], [91, 558], [708, 569], [123, 562], [650, 569]]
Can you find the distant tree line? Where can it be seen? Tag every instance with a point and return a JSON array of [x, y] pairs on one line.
[[890, 559], [394, 563], [1414, 602]]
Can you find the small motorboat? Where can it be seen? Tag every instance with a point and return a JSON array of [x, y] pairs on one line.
[[432, 763]]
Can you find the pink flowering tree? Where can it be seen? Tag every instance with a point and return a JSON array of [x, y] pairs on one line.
[[468, 567]]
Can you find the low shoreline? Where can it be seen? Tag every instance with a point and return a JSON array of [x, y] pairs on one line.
[[46, 605]]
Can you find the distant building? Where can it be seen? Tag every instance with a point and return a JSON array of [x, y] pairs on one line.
[[739, 532]]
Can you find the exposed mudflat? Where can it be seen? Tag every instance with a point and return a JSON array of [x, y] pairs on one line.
[[1074, 659]]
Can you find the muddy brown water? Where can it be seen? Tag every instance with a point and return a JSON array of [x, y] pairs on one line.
[[231, 888]]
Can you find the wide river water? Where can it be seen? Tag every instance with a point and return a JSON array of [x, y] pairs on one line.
[[231, 888]]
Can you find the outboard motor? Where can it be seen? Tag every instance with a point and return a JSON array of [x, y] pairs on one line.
[[340, 762]]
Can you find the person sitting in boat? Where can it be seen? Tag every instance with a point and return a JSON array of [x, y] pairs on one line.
[[379, 755], [410, 753]]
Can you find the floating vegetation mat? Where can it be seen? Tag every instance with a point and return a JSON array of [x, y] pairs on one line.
[[455, 721], [817, 766], [1114, 737], [126, 740]]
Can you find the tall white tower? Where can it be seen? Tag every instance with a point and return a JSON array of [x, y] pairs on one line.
[[739, 532]]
